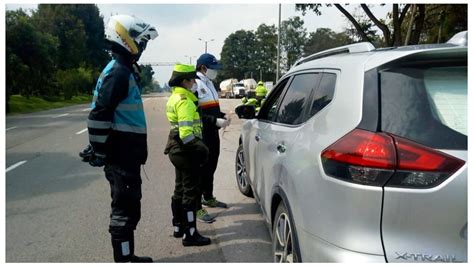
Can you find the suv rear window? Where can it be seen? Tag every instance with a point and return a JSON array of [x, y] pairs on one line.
[[426, 104]]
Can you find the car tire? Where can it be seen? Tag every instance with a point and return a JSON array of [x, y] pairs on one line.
[[284, 241], [241, 173]]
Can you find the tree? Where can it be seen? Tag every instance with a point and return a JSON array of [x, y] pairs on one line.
[[293, 38], [30, 56], [367, 26], [323, 39], [95, 55], [441, 22], [54, 51], [238, 55], [59, 20], [157, 87], [75, 81], [265, 58], [146, 78], [391, 37], [15, 71]]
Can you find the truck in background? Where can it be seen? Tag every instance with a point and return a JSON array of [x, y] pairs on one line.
[[239, 90], [231, 88], [249, 84], [228, 88], [269, 86]]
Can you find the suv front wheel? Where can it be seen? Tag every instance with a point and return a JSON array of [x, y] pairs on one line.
[[241, 173], [284, 241]]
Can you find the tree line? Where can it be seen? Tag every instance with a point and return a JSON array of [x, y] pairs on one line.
[[247, 54], [56, 51]]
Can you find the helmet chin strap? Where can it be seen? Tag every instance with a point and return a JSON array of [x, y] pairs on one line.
[[139, 69], [141, 47]]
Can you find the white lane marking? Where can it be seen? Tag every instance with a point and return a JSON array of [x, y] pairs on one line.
[[15, 166], [86, 109], [82, 131], [10, 128], [60, 115]]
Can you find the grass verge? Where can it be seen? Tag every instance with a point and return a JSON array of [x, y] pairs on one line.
[[21, 105]]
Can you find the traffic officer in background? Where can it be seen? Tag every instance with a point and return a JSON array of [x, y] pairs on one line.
[[187, 152], [260, 93], [117, 130], [213, 119]]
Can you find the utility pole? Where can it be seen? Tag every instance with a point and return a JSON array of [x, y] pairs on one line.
[[278, 45]]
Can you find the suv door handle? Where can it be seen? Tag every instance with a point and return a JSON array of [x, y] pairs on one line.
[[281, 148], [257, 137]]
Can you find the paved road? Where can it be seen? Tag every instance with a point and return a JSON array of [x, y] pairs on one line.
[[57, 208]]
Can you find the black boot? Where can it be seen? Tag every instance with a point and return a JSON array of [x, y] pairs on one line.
[[124, 246], [86, 153], [177, 210], [191, 235]]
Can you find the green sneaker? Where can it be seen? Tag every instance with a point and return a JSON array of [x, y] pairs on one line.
[[213, 203], [204, 216]]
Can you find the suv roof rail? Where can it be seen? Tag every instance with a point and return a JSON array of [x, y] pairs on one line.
[[459, 38], [351, 48]]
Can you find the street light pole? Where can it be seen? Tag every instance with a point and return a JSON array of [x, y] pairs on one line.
[[205, 43], [190, 57]]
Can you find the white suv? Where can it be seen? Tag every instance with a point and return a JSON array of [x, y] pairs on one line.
[[360, 155]]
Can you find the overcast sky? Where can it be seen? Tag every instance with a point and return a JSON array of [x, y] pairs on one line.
[[181, 25]]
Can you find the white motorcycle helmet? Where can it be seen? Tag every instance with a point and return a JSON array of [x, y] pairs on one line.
[[129, 32]]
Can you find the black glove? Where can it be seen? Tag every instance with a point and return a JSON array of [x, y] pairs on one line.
[[199, 150], [97, 159]]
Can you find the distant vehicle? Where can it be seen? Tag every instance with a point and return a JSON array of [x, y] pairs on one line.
[[269, 86], [239, 90], [227, 88], [249, 84], [360, 155]]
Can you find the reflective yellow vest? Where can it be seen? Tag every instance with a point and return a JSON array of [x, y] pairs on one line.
[[261, 91], [181, 111]]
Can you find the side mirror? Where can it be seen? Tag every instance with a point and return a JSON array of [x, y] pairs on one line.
[[245, 111]]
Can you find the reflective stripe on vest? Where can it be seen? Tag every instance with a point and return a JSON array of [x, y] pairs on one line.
[[128, 128], [182, 102], [99, 124]]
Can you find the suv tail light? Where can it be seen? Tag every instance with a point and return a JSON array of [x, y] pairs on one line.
[[380, 159]]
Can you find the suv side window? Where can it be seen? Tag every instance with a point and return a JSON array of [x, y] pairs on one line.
[[324, 94], [268, 110], [293, 106]]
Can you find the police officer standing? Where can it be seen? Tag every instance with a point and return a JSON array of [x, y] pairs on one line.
[[187, 152], [260, 92], [213, 119], [117, 130]]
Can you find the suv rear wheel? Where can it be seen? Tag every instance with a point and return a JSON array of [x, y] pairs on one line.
[[284, 240], [241, 173]]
